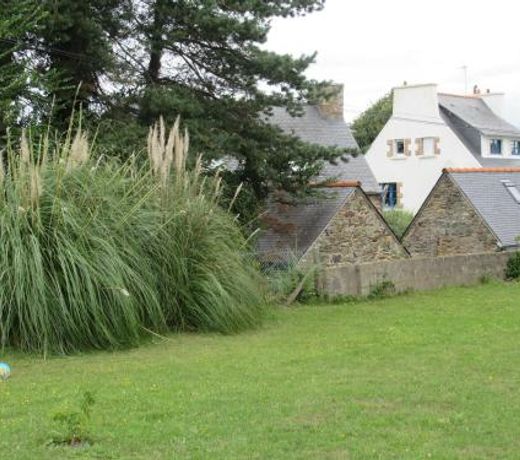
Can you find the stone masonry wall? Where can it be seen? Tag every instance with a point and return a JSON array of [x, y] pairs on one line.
[[357, 234], [377, 200], [448, 224], [416, 274]]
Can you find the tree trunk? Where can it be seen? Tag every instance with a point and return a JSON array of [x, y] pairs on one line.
[[156, 43]]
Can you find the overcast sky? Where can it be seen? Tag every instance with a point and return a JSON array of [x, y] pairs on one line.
[[371, 46]]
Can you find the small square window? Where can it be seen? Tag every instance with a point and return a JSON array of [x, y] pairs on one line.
[[399, 146], [515, 148], [496, 147], [429, 146]]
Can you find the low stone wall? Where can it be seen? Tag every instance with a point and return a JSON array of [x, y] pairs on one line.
[[412, 274]]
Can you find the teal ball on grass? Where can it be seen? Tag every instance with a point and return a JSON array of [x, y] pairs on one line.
[[5, 371]]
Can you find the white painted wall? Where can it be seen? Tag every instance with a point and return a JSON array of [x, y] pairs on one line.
[[418, 174], [507, 149], [417, 102], [496, 102], [416, 115]]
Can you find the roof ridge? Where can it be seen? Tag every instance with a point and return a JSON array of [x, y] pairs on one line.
[[482, 170], [337, 184], [467, 96]]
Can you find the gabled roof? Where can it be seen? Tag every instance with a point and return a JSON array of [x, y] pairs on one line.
[[293, 228], [476, 113], [314, 128], [491, 199]]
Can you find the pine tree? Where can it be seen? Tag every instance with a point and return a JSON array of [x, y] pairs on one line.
[[204, 60], [18, 25], [76, 43]]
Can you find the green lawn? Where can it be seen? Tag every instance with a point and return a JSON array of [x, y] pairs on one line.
[[428, 375]]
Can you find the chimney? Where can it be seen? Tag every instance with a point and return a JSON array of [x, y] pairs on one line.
[[416, 102], [496, 102], [331, 106]]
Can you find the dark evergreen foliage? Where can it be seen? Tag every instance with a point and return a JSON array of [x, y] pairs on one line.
[[127, 62], [368, 125]]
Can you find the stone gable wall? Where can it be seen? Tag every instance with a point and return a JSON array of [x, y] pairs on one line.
[[448, 225], [356, 235]]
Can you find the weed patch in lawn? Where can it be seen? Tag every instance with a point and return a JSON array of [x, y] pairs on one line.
[[72, 425]]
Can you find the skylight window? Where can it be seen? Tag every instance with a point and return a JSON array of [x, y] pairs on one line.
[[511, 188]]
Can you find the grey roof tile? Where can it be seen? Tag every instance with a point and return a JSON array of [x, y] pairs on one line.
[[476, 113], [498, 162], [493, 201], [293, 228], [314, 128], [469, 115]]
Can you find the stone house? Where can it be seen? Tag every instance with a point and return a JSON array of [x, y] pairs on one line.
[[339, 225], [470, 210], [429, 131]]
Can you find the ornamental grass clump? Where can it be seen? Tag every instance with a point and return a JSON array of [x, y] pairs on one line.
[[71, 276], [95, 254], [204, 282]]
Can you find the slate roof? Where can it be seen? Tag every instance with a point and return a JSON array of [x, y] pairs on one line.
[[293, 228], [492, 200], [472, 112], [476, 113], [314, 128]]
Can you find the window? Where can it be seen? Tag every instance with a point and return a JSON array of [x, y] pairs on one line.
[[429, 146], [515, 148], [511, 188], [496, 147], [389, 195], [399, 146]]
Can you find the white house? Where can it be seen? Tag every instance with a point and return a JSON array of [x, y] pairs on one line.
[[429, 131]]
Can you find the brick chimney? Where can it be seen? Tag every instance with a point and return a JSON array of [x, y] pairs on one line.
[[331, 106]]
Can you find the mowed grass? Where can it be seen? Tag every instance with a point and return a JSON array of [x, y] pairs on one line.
[[426, 375]]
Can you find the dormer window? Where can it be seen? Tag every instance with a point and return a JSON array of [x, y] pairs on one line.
[[399, 146], [515, 148], [495, 147]]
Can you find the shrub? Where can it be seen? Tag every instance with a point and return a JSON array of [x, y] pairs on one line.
[[382, 290], [513, 267], [95, 252], [398, 220]]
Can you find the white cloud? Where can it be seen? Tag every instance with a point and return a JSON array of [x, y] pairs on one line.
[[372, 46]]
